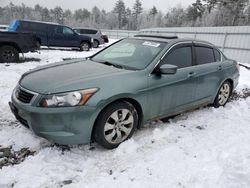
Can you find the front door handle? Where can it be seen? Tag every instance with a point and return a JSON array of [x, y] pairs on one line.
[[191, 74]]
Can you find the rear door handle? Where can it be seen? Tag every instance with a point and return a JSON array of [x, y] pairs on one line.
[[219, 67], [191, 74]]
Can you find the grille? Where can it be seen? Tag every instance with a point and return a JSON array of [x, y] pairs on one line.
[[23, 96]]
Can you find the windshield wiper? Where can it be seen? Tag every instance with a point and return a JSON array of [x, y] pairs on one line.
[[112, 64], [115, 65]]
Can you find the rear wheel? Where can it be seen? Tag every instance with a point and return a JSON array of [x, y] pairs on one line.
[[95, 44], [84, 46], [115, 124], [8, 54], [38, 44], [223, 94]]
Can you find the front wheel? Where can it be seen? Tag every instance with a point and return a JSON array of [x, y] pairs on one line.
[[8, 54], [223, 94], [84, 46], [115, 124]]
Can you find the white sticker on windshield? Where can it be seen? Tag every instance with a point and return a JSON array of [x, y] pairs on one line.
[[152, 44]]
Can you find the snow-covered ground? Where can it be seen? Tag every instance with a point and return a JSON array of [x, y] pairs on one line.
[[206, 148]]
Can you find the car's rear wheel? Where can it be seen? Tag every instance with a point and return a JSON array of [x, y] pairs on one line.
[[95, 44], [38, 44], [8, 54], [84, 46], [115, 124], [223, 94]]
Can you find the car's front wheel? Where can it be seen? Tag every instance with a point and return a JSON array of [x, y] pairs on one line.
[[115, 124], [84, 46], [223, 94]]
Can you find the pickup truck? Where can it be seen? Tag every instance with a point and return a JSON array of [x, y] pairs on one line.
[[52, 34], [13, 43]]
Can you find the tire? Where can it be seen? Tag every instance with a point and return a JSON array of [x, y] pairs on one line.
[[8, 54], [84, 46], [95, 44], [115, 124], [223, 94], [38, 44]]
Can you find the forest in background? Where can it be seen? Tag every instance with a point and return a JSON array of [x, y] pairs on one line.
[[200, 13]]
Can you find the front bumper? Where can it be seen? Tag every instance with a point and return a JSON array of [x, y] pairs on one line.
[[67, 125]]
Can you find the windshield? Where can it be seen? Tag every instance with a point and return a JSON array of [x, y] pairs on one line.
[[134, 53]]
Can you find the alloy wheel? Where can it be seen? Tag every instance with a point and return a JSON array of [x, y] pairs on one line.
[[224, 94], [118, 126], [85, 46], [8, 55]]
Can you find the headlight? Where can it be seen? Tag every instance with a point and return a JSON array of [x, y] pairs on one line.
[[74, 98]]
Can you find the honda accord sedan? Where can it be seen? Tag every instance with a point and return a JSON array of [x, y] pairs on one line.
[[106, 97]]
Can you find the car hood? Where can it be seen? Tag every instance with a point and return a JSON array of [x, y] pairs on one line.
[[68, 76]]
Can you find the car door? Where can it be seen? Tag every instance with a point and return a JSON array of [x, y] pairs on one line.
[[71, 39], [174, 92], [55, 35], [208, 68]]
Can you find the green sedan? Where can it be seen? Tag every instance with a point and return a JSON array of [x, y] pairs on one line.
[[107, 96]]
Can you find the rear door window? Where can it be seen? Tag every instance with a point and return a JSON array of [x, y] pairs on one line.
[[181, 57], [93, 32], [88, 31], [204, 55]]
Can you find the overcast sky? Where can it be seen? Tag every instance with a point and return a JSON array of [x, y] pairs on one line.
[[102, 4]]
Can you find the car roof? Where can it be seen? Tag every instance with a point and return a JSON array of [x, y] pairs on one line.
[[86, 28], [34, 21], [171, 39], [49, 23]]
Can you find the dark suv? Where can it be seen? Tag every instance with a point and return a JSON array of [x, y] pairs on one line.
[[52, 34]]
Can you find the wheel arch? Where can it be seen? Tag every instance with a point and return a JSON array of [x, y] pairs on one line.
[[11, 44], [82, 41], [97, 40], [39, 40], [230, 80], [130, 100]]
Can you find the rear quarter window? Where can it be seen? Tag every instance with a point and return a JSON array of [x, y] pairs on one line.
[[204, 55], [217, 55]]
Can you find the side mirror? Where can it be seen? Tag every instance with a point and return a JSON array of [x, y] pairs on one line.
[[167, 69]]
